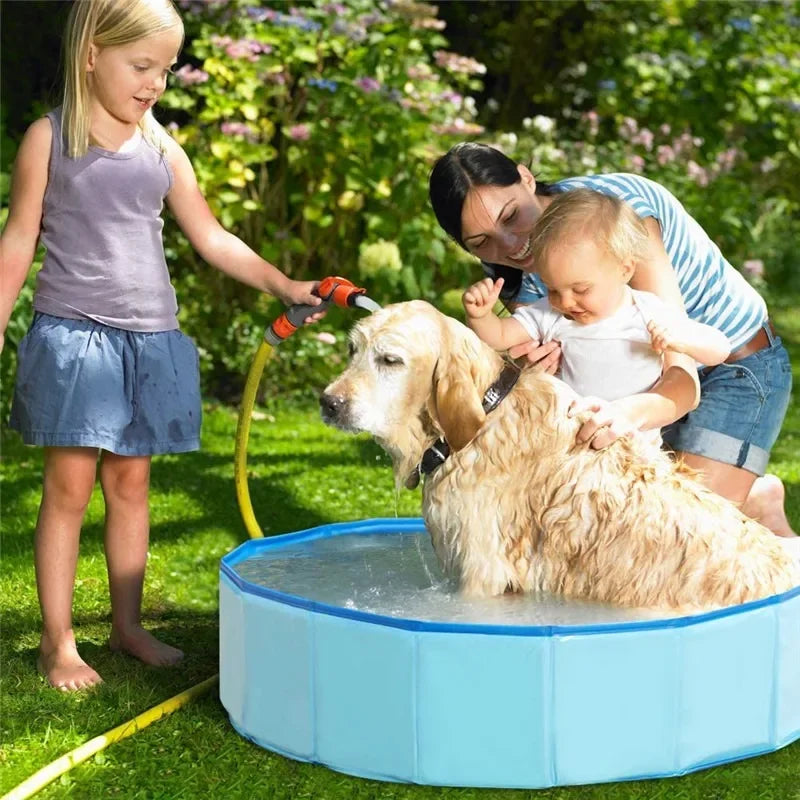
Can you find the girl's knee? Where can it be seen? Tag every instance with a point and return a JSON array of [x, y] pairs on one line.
[[125, 478], [69, 477]]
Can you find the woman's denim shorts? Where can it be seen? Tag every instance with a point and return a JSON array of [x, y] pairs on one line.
[[82, 384], [741, 410]]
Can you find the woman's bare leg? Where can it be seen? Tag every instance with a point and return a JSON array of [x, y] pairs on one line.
[[69, 475], [766, 503], [761, 499], [126, 481]]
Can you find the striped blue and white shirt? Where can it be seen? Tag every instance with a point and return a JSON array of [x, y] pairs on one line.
[[713, 291]]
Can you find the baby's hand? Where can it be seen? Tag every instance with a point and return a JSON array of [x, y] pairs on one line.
[[480, 298], [663, 339]]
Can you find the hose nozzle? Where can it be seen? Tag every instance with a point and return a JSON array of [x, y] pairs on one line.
[[333, 290]]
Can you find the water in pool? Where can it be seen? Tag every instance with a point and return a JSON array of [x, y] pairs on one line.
[[397, 575]]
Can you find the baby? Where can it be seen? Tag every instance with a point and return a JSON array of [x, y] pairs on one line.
[[614, 340]]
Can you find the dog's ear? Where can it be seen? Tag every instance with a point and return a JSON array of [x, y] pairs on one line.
[[458, 405]]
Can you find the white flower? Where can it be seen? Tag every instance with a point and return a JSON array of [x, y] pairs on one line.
[[508, 141], [544, 124]]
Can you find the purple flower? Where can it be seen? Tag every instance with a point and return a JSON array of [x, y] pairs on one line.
[[239, 129], [645, 138], [697, 173], [727, 158], [753, 268], [665, 154], [246, 48], [299, 133], [261, 14], [188, 75], [367, 84]]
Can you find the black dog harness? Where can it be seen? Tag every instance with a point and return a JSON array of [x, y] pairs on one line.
[[439, 451]]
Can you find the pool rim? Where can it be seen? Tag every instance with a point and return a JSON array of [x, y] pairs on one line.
[[407, 525]]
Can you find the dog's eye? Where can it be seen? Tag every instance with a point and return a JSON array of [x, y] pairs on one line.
[[351, 349], [388, 360]]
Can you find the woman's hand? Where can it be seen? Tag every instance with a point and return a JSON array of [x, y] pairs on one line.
[[609, 420], [546, 356]]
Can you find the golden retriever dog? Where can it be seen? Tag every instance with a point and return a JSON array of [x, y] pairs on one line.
[[519, 505]]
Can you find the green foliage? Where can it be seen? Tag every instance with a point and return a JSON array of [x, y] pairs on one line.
[[312, 132], [701, 96]]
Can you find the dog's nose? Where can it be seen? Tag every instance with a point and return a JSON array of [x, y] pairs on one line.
[[331, 405]]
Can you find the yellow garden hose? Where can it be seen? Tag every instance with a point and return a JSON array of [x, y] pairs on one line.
[[56, 768], [242, 436]]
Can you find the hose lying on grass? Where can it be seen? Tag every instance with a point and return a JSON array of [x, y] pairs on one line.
[[64, 763]]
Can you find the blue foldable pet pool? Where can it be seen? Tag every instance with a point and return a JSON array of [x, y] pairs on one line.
[[343, 645]]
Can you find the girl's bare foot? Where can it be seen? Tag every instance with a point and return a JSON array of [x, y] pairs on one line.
[[62, 667], [765, 504], [141, 644]]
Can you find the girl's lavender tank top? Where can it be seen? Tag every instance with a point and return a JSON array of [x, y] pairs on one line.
[[102, 228]]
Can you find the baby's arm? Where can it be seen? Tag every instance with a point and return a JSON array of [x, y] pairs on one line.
[[479, 301], [21, 232], [219, 247], [701, 342]]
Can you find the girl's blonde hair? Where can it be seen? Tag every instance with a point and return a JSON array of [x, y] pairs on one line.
[[106, 23], [608, 221]]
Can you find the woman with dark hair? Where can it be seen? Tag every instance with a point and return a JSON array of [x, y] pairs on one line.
[[722, 420]]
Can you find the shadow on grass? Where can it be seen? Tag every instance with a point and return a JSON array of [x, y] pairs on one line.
[[194, 632], [206, 478]]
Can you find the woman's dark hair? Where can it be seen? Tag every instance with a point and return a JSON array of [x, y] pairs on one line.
[[463, 166]]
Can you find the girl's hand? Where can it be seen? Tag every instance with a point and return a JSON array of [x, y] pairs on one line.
[[480, 298], [608, 422], [545, 356], [302, 293], [663, 339]]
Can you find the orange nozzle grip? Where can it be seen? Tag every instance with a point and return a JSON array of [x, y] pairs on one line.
[[338, 290], [282, 327]]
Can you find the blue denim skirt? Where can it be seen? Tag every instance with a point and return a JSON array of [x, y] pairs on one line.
[[741, 410], [82, 384]]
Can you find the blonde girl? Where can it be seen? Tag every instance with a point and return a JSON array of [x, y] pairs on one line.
[[105, 378]]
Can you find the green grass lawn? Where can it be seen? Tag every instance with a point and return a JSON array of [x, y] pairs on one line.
[[303, 474]]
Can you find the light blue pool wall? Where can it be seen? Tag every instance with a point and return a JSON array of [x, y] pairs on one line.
[[530, 707]]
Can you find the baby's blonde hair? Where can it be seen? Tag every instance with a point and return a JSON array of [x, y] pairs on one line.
[[107, 23], [584, 213]]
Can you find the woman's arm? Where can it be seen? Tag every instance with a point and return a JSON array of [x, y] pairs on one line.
[[21, 233], [669, 399], [219, 247]]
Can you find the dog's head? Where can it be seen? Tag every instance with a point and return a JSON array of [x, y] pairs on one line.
[[414, 375]]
